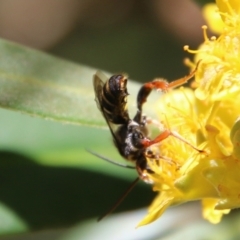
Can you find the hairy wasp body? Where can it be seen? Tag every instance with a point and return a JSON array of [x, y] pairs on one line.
[[130, 136]]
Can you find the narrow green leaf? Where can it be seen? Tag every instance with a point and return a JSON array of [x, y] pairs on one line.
[[54, 144], [45, 86], [42, 85]]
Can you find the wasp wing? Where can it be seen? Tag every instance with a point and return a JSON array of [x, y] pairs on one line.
[[99, 80]]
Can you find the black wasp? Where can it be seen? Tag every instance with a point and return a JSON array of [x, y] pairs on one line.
[[130, 136]]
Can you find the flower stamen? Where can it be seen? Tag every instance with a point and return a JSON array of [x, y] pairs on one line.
[[205, 36]]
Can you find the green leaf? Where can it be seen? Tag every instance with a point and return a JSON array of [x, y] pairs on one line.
[[54, 144], [36, 83], [45, 86], [42, 85]]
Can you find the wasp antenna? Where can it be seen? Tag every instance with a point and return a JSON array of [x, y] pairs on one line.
[[129, 189], [110, 161]]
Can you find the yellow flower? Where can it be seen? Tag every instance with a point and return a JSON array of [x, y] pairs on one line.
[[208, 118]]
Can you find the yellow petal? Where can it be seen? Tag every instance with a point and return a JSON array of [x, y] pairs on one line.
[[214, 20], [229, 6], [210, 213]]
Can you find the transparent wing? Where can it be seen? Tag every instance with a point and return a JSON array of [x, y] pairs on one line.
[[98, 84], [99, 80]]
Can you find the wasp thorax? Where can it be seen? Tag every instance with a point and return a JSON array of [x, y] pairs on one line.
[[135, 136]]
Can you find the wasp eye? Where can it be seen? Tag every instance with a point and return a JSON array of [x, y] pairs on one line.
[[137, 134], [137, 138]]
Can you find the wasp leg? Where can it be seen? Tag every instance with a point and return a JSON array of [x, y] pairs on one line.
[[147, 142], [160, 84], [129, 189]]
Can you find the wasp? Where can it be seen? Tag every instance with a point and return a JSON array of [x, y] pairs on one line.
[[130, 136]]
